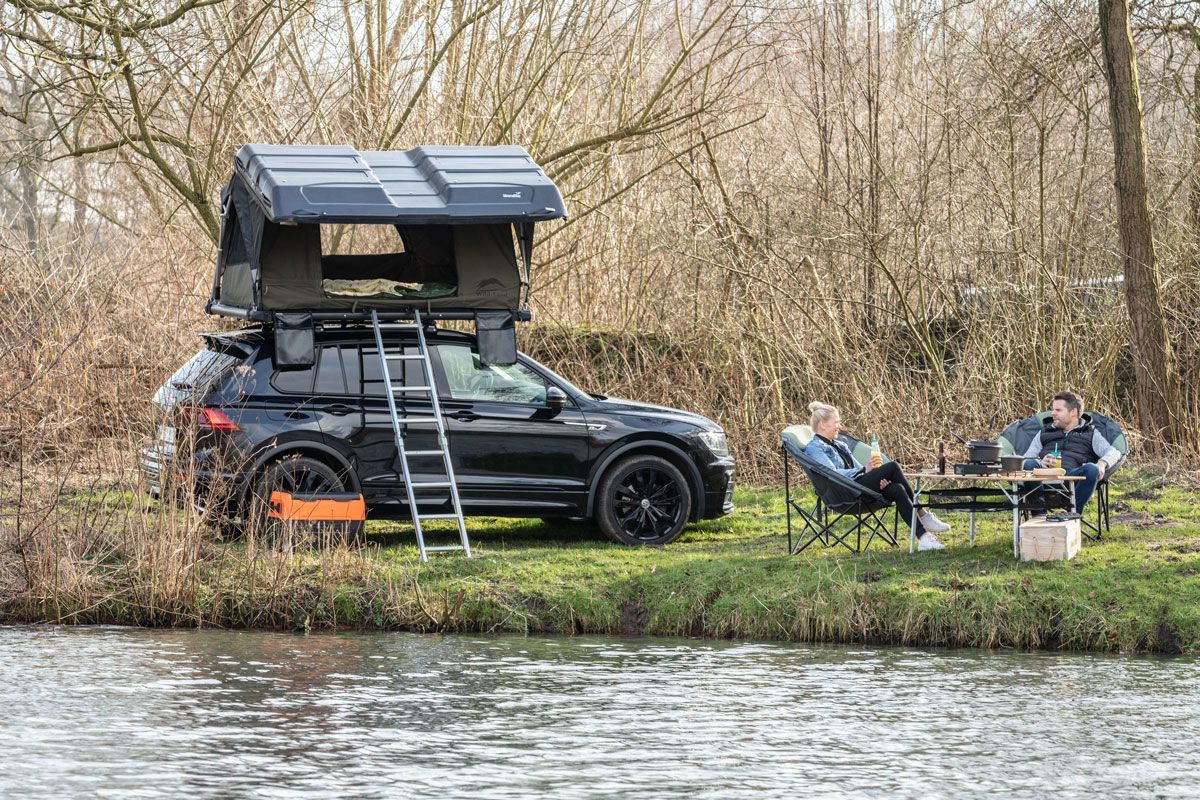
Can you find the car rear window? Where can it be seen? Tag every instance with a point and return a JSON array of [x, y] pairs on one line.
[[201, 373], [203, 370]]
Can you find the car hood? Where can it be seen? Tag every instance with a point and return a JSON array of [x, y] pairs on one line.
[[620, 405]]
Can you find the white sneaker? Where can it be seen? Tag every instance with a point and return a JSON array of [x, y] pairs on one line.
[[932, 524], [929, 542]]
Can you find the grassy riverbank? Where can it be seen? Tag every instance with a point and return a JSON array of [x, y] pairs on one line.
[[1138, 590]]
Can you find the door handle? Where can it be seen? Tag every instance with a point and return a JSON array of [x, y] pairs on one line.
[[337, 409], [464, 415]]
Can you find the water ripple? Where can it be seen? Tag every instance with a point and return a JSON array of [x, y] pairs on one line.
[[106, 712]]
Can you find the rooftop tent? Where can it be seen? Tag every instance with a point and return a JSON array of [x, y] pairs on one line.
[[456, 211]]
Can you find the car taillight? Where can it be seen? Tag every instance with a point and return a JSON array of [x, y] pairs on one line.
[[209, 419]]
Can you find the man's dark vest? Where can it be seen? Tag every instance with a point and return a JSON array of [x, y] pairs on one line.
[[1075, 444]]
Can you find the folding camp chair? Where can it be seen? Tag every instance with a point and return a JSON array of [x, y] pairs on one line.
[[837, 498], [1016, 438]]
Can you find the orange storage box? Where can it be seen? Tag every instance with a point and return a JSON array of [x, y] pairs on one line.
[[322, 507]]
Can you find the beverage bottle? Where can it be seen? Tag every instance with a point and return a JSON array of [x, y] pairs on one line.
[[875, 447], [941, 458]]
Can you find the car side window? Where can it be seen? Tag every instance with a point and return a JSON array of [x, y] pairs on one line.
[[294, 381], [407, 372], [331, 372], [467, 378], [328, 376]]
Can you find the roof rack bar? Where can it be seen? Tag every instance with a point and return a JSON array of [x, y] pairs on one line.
[[406, 315], [356, 316]]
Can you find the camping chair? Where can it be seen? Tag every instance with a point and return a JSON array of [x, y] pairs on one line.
[[1016, 438], [837, 497]]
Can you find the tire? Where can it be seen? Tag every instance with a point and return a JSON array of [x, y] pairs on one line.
[[299, 474], [643, 500]]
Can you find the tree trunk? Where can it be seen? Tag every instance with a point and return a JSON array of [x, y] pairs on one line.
[[1157, 390]]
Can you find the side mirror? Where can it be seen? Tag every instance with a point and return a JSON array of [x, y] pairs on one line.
[[556, 398]]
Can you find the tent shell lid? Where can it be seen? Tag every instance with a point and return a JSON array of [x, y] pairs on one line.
[[423, 185]]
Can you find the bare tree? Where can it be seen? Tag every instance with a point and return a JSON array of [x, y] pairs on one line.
[[1158, 396]]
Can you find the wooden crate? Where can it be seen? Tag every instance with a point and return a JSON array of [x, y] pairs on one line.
[[1042, 540]]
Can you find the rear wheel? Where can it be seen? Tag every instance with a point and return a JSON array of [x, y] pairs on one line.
[[643, 500], [298, 475]]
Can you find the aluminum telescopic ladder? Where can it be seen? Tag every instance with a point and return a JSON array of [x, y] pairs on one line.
[[401, 423]]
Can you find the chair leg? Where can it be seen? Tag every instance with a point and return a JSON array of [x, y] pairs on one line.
[[832, 535], [787, 497], [1087, 527], [876, 524], [1107, 508], [1102, 510]]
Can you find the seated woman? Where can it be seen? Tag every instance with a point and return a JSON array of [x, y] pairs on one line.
[[887, 479]]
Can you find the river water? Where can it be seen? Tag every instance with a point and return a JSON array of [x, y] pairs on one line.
[[109, 712]]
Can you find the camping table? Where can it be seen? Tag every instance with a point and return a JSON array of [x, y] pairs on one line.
[[1008, 485]]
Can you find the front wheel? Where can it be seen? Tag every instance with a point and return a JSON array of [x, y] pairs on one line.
[[643, 500]]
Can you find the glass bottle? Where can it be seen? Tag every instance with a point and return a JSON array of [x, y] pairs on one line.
[[941, 458]]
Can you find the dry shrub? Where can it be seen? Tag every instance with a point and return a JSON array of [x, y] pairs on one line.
[[907, 216]]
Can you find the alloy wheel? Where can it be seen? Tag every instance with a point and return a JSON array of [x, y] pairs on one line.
[[648, 503]]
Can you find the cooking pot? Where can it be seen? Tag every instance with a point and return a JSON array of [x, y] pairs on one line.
[[981, 451], [1012, 463]]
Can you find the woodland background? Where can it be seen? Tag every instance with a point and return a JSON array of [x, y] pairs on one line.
[[904, 208]]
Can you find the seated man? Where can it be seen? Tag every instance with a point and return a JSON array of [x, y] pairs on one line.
[[1084, 449]]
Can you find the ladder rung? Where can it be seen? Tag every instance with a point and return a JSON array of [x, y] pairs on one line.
[[431, 484], [404, 356], [416, 420], [424, 452], [437, 516], [411, 388], [445, 547]]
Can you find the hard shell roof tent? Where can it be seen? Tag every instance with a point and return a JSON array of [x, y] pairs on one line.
[[455, 212]]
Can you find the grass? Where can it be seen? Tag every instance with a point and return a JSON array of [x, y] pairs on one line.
[[1136, 591]]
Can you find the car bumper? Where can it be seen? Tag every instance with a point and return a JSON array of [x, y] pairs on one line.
[[158, 466], [720, 477]]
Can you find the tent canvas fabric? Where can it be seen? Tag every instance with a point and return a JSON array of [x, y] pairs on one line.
[[274, 267]]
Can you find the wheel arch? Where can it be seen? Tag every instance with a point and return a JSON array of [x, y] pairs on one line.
[[329, 456], [651, 447]]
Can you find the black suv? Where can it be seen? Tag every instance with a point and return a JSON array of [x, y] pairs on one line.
[[524, 442]]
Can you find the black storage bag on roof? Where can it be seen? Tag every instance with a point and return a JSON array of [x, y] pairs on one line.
[[294, 340]]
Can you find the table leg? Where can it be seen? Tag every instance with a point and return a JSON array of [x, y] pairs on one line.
[[1016, 526], [1072, 484], [972, 529], [912, 530]]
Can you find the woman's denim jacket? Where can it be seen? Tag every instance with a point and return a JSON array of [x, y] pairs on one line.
[[823, 453]]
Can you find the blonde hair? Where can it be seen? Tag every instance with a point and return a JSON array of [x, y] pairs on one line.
[[820, 413]]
